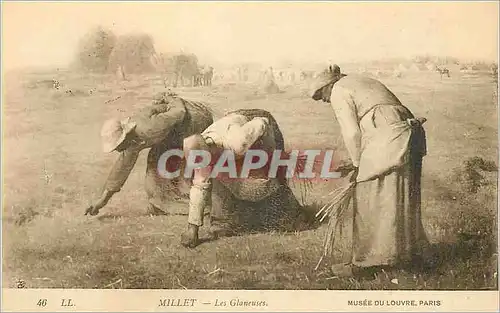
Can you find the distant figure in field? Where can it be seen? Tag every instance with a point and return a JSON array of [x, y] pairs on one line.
[[159, 127], [120, 72], [386, 144], [494, 70], [305, 75], [281, 75], [269, 76], [56, 84], [245, 74], [239, 74]]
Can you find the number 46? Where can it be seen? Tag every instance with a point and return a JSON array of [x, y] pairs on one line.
[[42, 302]]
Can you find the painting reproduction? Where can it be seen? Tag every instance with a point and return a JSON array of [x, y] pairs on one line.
[[242, 156]]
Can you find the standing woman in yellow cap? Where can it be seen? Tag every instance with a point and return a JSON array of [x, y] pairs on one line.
[[162, 126], [386, 144]]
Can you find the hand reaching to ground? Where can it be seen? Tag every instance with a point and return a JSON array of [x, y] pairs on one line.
[[93, 209]]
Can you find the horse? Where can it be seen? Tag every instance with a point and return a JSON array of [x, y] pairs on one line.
[[442, 71], [198, 78], [208, 74]]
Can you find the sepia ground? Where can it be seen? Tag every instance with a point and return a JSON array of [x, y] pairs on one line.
[[53, 167]]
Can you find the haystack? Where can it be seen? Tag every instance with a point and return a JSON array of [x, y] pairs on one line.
[[270, 87], [133, 53]]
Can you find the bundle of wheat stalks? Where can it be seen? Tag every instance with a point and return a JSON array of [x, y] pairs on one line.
[[335, 209], [305, 185]]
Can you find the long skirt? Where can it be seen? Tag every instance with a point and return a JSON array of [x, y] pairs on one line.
[[387, 224]]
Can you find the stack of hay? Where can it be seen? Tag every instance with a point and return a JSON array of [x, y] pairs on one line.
[[270, 86]]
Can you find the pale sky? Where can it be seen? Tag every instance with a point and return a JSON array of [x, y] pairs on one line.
[[46, 34]]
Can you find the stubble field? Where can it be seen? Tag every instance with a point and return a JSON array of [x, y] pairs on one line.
[[53, 167]]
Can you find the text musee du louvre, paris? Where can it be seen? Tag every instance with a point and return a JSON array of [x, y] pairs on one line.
[[369, 302]]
